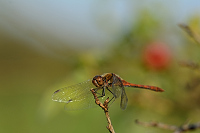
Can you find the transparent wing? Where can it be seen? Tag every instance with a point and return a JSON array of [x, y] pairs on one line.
[[124, 99], [76, 96], [118, 90], [116, 87]]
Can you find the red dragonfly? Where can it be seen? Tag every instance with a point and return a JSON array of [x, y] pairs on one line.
[[79, 96]]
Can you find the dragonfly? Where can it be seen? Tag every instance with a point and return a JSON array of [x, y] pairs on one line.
[[79, 96]]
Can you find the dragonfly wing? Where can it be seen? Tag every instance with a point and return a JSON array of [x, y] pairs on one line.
[[86, 101], [124, 99], [116, 86], [76, 96], [116, 90]]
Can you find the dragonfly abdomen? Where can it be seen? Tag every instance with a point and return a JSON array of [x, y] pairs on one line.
[[154, 88]]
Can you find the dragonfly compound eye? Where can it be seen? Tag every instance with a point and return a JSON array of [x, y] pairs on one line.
[[97, 81]]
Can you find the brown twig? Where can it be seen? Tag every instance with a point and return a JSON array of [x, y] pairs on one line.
[[181, 129], [189, 64], [105, 108], [190, 32]]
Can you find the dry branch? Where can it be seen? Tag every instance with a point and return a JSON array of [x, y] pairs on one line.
[[104, 106], [181, 129], [190, 32]]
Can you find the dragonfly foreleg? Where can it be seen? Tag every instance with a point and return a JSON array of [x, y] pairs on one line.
[[102, 94]]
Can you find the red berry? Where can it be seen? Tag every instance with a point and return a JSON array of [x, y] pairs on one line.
[[157, 55]]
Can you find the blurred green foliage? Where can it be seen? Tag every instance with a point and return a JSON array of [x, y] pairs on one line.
[[29, 78]]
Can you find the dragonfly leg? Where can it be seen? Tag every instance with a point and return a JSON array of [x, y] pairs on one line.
[[103, 91], [102, 94], [111, 92], [113, 98]]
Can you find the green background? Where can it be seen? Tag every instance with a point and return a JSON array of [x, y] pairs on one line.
[[29, 78]]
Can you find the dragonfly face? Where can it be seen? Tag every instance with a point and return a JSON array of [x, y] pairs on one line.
[[98, 81]]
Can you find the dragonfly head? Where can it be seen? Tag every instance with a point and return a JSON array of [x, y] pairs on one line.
[[98, 81]]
